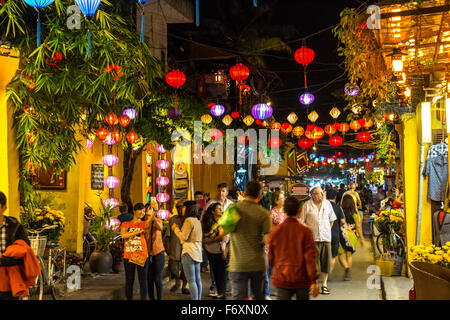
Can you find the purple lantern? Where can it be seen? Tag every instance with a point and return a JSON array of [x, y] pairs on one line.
[[162, 181], [110, 160], [307, 98], [111, 203], [351, 90], [89, 143], [162, 164], [262, 111], [113, 224], [173, 113], [130, 113], [162, 197], [160, 148], [111, 182], [163, 214], [217, 110]]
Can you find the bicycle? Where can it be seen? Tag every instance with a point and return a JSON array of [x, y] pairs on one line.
[[48, 276], [396, 243]]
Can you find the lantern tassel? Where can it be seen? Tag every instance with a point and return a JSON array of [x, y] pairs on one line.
[[240, 95], [142, 25], [306, 85], [176, 102], [89, 42], [39, 29], [197, 13]]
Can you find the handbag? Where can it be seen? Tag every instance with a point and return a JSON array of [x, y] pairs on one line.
[[229, 219], [138, 259], [386, 265]]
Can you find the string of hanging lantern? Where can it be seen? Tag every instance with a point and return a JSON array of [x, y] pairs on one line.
[[162, 181]]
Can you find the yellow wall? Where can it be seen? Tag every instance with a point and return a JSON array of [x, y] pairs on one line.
[[9, 158]]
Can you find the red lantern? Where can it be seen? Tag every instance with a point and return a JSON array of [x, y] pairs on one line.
[[239, 72], [175, 78], [124, 120], [315, 133], [305, 143], [330, 130], [115, 70], [117, 135], [304, 55], [362, 122], [363, 136], [344, 127], [275, 143], [132, 137], [286, 127], [102, 133], [235, 115], [111, 119], [336, 125], [258, 122], [335, 141]]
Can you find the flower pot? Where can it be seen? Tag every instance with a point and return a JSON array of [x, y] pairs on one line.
[[100, 262], [431, 281]]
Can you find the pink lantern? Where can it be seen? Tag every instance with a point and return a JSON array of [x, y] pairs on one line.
[[162, 181], [111, 203], [162, 197], [111, 182], [109, 140], [89, 143], [163, 214], [162, 164], [160, 148], [113, 224], [110, 160]]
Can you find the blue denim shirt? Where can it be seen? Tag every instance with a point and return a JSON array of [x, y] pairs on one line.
[[436, 168]]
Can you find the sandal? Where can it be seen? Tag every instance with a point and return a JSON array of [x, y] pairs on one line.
[[325, 290]]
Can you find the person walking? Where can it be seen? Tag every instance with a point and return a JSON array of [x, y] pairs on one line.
[[293, 254], [156, 252], [191, 236], [348, 241], [277, 210], [215, 241], [135, 254], [247, 256], [174, 248], [318, 215], [352, 191], [336, 228]]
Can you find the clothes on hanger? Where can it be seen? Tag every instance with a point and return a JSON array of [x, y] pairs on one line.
[[436, 169]]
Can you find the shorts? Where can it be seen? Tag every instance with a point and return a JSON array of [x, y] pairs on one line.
[[323, 261]]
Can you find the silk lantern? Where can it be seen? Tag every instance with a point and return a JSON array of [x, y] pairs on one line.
[[335, 141], [286, 127], [111, 203], [89, 8], [248, 120], [39, 4], [206, 119], [227, 120], [363, 136], [130, 113], [160, 148], [276, 126], [307, 98], [162, 197], [110, 160], [162, 181], [124, 120], [117, 135], [354, 125], [330, 130], [304, 55], [305, 143], [162, 164], [239, 73], [334, 113], [217, 110], [111, 182], [298, 131], [313, 116], [262, 111], [111, 119], [163, 214], [292, 118], [102, 133], [235, 115], [343, 127], [132, 137]]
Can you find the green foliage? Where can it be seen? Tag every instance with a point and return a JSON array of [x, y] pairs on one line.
[[102, 229]]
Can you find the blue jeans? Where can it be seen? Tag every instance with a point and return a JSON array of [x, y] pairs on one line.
[[155, 275], [191, 269], [239, 284], [130, 271]]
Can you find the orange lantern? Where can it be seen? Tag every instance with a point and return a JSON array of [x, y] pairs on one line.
[[286, 127], [111, 119], [117, 135], [314, 133], [354, 125], [132, 137], [362, 122], [343, 127], [124, 120], [298, 131], [330, 130], [276, 126]]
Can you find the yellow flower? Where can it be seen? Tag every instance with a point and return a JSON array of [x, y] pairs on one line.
[[39, 218]]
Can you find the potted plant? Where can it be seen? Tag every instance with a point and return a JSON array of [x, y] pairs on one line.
[[104, 232], [430, 268]]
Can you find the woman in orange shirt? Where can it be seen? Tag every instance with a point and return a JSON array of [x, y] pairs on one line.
[[135, 251], [155, 251]]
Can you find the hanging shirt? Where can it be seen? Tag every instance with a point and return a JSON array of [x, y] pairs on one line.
[[436, 169]]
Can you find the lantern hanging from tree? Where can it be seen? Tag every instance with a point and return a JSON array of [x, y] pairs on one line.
[[111, 119], [111, 203], [262, 111], [354, 125], [102, 133], [298, 131], [162, 181], [368, 124], [344, 127], [351, 90], [286, 127], [38, 5], [276, 126], [117, 135], [130, 113], [304, 55], [89, 8], [111, 182], [239, 73], [124, 120], [110, 160], [362, 122], [115, 70], [160, 148], [175, 79], [218, 110], [307, 98], [235, 114], [335, 141]]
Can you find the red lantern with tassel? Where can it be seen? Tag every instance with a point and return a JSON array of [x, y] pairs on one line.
[[111, 119], [124, 120], [363, 136], [239, 73], [335, 141], [176, 79], [117, 135], [132, 137], [102, 133]]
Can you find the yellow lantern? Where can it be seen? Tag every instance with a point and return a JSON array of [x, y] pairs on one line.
[[298, 131], [335, 113], [330, 130], [292, 118], [206, 119], [276, 126], [354, 125], [227, 120], [313, 116], [248, 120]]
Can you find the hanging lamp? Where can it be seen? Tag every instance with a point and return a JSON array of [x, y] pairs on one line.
[[89, 8], [38, 5]]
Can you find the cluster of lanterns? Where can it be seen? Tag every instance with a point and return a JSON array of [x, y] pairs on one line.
[[162, 181], [333, 160], [112, 137]]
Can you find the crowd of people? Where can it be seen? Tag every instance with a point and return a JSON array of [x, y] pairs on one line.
[[293, 245]]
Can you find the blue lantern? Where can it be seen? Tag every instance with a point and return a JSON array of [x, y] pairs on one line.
[[262, 111], [89, 8], [142, 20], [312, 156], [39, 4]]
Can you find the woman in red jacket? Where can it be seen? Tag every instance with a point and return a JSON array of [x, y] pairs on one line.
[[292, 254]]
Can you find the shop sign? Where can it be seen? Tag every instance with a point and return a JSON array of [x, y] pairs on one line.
[[97, 176], [300, 191]]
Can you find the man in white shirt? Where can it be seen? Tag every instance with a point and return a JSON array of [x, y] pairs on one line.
[[222, 193], [318, 215]]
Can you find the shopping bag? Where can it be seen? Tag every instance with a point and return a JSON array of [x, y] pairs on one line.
[[386, 265], [229, 219], [350, 238]]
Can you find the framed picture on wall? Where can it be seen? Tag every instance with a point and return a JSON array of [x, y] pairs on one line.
[[50, 180]]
